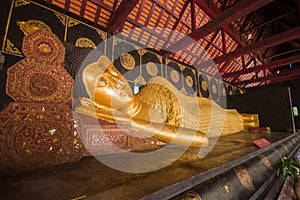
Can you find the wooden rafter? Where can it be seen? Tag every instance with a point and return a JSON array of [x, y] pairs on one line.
[[242, 8], [273, 77], [270, 65], [193, 15], [120, 15], [271, 41]]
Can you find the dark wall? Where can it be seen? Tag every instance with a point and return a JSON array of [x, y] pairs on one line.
[[273, 106], [294, 86]]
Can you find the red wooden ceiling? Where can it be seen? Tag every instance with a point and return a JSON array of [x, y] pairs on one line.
[[229, 30]]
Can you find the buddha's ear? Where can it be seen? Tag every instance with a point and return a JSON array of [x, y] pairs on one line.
[[104, 62]]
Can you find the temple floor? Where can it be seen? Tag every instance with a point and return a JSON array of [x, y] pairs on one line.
[[90, 178]]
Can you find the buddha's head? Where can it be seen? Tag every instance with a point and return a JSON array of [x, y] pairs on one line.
[[105, 85]]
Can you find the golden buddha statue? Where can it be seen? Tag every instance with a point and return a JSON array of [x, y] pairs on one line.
[[158, 110]]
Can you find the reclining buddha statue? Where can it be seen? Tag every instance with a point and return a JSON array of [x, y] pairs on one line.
[[158, 110]]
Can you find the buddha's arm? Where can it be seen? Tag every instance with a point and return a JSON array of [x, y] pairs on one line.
[[89, 107], [171, 134]]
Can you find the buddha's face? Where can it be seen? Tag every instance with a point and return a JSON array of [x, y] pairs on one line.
[[106, 85]]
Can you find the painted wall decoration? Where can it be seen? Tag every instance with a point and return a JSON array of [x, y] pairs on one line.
[[137, 63]]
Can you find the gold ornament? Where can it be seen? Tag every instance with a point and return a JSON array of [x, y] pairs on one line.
[[223, 91], [266, 162], [32, 25], [204, 85], [62, 18], [127, 61], [10, 48], [244, 177], [174, 76], [142, 51], [85, 43], [31, 81], [190, 195], [152, 68], [43, 135], [214, 89], [140, 80], [102, 34], [19, 3], [72, 22], [44, 47], [189, 81]]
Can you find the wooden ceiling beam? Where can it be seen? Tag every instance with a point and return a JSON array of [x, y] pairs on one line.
[[285, 79], [270, 21], [239, 9], [273, 77], [102, 5], [193, 15], [269, 42], [270, 65], [120, 15]]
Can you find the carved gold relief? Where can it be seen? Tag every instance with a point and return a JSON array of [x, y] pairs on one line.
[[266, 162], [140, 80], [72, 22], [159, 58], [33, 25], [44, 47], [127, 61], [85, 43], [19, 3], [102, 34], [190, 195], [10, 48], [152, 68], [182, 67], [189, 81], [175, 76], [29, 81], [168, 61], [43, 135], [223, 91], [204, 85], [214, 89], [142, 51], [244, 177], [62, 18], [117, 40]]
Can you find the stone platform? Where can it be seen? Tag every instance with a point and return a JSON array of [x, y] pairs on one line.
[[234, 169]]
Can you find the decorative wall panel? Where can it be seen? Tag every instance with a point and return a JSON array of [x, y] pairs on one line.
[[35, 134], [31, 81]]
